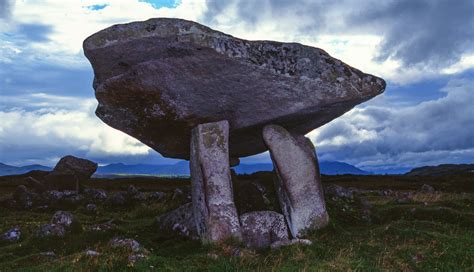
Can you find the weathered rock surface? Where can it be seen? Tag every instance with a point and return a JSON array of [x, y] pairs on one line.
[[261, 229], [298, 181], [179, 221], [282, 243], [12, 235], [69, 172], [156, 80], [212, 195]]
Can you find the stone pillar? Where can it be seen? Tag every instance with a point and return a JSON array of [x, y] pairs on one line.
[[298, 181], [212, 195]]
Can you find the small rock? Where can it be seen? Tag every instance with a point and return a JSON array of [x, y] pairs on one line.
[[132, 258], [129, 244], [427, 189], [179, 221], [95, 194], [13, 235], [65, 219], [158, 196], [92, 253], [103, 226], [49, 254], [91, 208], [282, 243], [139, 197], [262, 228], [50, 230], [132, 190], [337, 191]]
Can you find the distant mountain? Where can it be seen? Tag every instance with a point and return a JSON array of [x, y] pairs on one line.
[[442, 169], [182, 168], [178, 169], [340, 168], [6, 170]]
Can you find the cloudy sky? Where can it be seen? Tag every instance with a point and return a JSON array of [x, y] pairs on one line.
[[424, 50]]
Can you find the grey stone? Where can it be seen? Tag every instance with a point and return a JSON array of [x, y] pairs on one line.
[[12, 235], [212, 194], [95, 194], [92, 253], [335, 190], [262, 228], [179, 221], [51, 230], [156, 80], [129, 244], [118, 199], [91, 208], [427, 189], [65, 219], [69, 172], [156, 196], [298, 181], [282, 243]]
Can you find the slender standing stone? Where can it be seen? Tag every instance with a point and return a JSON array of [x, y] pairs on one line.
[[212, 195], [297, 181]]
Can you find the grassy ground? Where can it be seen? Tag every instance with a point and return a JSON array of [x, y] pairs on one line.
[[432, 232]]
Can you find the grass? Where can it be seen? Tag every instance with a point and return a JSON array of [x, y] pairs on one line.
[[432, 232]]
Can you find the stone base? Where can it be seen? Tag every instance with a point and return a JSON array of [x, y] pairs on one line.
[[298, 181], [212, 194]]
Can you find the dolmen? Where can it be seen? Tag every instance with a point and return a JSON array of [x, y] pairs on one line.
[[193, 93]]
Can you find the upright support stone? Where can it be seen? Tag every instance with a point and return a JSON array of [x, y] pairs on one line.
[[298, 181], [212, 195]]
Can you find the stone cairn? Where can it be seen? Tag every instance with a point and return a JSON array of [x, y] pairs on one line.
[[194, 93]]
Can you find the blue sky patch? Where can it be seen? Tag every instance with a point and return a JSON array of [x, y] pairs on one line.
[[162, 3], [97, 7]]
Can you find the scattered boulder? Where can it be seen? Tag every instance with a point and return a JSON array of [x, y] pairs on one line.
[[51, 230], [156, 196], [65, 219], [91, 253], [179, 221], [427, 189], [334, 190], [262, 228], [95, 194], [297, 181], [132, 190], [142, 69], [106, 226], [212, 194], [49, 254], [91, 208], [69, 172], [283, 243], [11, 236], [128, 244]]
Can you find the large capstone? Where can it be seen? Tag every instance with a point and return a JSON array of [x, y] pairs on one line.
[[156, 80], [298, 181], [212, 195]]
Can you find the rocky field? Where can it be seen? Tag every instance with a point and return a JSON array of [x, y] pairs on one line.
[[376, 223]]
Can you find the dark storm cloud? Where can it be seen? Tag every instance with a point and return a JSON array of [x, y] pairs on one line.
[[424, 31], [429, 32], [6, 7]]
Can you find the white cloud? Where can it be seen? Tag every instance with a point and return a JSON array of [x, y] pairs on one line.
[[59, 126], [431, 132]]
